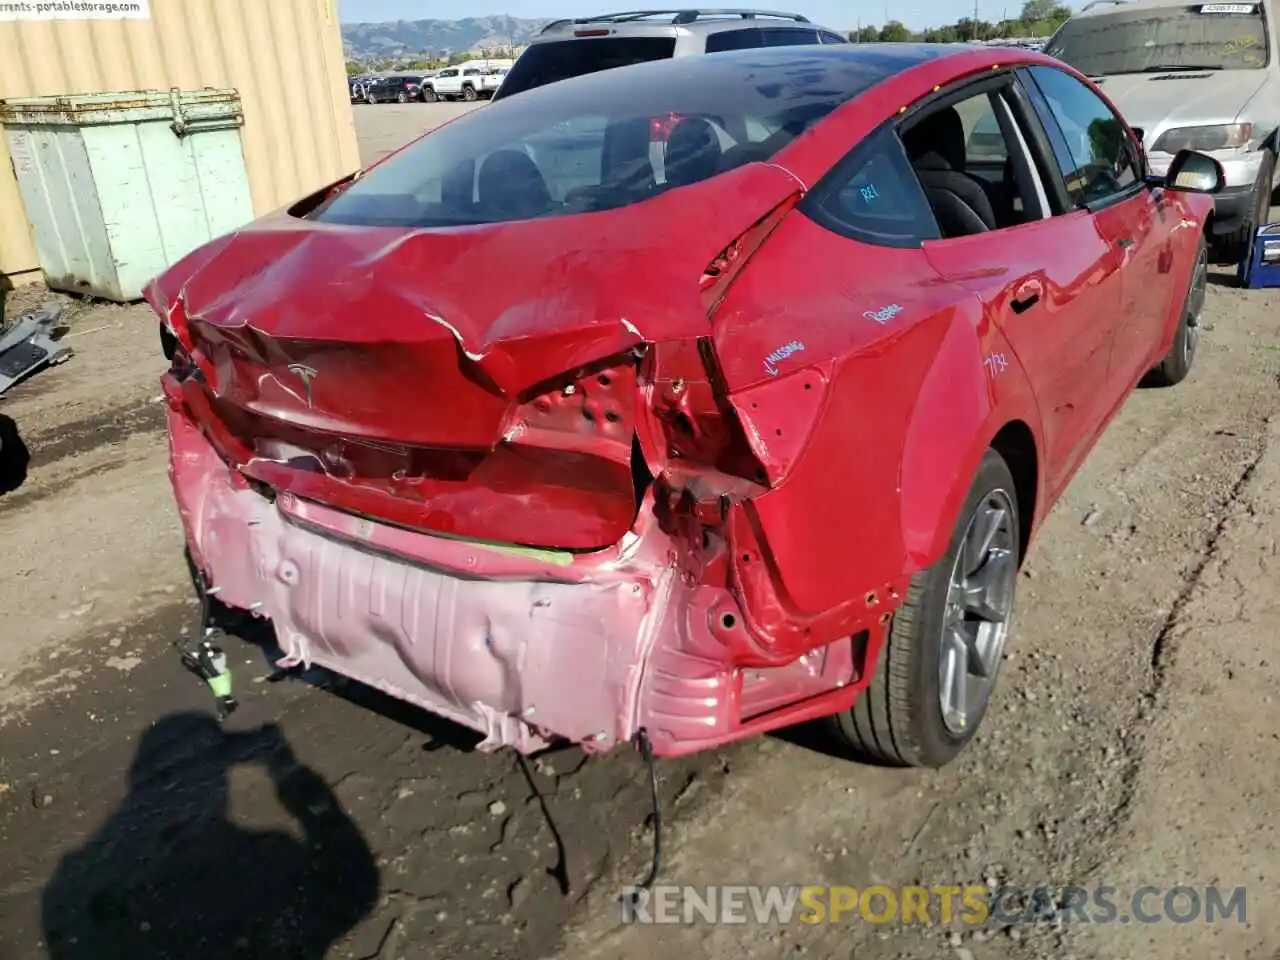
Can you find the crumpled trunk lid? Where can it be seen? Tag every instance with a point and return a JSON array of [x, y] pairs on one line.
[[478, 382]]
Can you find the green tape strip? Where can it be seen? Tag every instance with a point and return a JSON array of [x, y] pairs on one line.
[[221, 684]]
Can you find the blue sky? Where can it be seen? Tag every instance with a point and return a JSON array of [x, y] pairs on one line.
[[834, 13]]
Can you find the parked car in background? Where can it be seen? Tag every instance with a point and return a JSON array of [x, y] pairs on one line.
[[683, 492], [395, 88], [472, 80], [1203, 76], [356, 87], [570, 48], [491, 80]]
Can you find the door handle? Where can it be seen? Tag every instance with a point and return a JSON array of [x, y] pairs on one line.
[[1027, 296]]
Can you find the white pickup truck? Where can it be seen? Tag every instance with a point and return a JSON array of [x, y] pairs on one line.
[[472, 80]]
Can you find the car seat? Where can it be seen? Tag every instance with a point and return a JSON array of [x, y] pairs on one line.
[[936, 146], [510, 187], [693, 152]]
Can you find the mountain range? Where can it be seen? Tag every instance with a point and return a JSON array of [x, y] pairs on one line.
[[436, 37]]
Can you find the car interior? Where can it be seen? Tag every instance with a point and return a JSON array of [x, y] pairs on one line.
[[562, 176], [973, 181]]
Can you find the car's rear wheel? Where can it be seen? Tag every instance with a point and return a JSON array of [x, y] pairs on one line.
[[402, 97], [1173, 369], [939, 663], [469, 94], [429, 95]]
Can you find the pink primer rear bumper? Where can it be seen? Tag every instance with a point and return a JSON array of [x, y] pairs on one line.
[[522, 650]]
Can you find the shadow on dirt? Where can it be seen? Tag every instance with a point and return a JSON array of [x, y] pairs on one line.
[[15, 458], [169, 875]]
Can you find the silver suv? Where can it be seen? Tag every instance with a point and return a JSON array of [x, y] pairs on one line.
[[1202, 76], [570, 48]]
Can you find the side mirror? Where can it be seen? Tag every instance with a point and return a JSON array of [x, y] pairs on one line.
[[1192, 172]]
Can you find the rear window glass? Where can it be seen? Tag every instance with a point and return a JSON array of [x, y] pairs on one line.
[[1160, 39], [545, 63], [608, 141]]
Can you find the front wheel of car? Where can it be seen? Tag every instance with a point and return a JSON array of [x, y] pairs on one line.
[[429, 95], [1237, 245], [941, 656], [402, 97], [1173, 369], [469, 94]]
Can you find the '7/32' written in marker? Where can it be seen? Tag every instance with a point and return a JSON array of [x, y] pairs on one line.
[[996, 364]]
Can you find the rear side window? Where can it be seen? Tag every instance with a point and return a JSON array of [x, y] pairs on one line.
[[829, 37], [545, 63], [753, 37], [873, 196], [747, 39], [787, 36]]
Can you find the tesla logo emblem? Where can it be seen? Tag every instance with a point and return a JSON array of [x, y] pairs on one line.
[[306, 375]]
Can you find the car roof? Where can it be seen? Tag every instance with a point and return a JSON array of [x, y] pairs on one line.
[[690, 21], [845, 68]]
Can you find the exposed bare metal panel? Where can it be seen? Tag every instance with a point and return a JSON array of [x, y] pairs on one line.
[[284, 57]]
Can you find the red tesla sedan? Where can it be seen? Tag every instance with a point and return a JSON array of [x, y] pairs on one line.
[[686, 400]]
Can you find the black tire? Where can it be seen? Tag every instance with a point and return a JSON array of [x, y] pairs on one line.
[[898, 719], [1173, 369], [1234, 246], [402, 97], [469, 94], [429, 95]]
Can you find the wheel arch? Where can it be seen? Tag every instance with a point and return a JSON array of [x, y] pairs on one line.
[[1016, 444]]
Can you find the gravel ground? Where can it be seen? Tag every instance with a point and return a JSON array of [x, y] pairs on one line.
[[1131, 744]]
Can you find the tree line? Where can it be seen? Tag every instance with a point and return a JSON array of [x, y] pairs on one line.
[[1038, 18]]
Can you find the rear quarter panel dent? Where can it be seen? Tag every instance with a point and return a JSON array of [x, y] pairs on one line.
[[962, 407], [834, 527]]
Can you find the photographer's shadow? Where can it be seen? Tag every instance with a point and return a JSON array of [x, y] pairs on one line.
[[170, 876]]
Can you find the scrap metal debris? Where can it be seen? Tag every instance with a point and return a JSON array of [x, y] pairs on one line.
[[29, 345]]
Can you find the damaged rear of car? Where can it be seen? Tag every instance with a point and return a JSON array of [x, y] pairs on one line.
[[458, 427]]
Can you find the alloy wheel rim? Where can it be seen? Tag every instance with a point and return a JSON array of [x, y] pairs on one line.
[[978, 607]]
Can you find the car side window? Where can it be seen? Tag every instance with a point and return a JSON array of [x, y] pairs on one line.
[[747, 39], [974, 170], [787, 36], [873, 196], [828, 37], [1095, 153]]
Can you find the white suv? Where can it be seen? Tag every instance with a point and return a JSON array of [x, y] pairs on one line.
[[467, 81], [570, 48]]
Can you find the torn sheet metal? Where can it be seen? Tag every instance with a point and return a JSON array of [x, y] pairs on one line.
[[29, 346], [521, 647]]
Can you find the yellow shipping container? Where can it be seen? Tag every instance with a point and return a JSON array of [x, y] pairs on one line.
[[284, 57]]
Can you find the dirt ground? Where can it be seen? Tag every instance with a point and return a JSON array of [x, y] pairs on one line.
[[1132, 742]]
